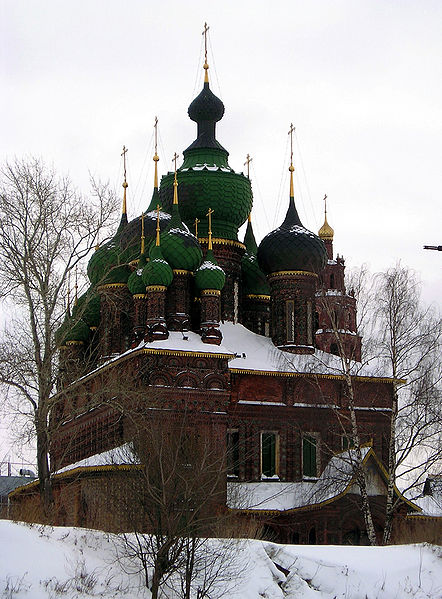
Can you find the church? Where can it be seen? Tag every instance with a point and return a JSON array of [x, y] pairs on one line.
[[188, 327]]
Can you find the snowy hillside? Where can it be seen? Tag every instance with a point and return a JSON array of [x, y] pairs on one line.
[[50, 563]]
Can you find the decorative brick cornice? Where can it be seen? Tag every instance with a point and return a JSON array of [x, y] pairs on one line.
[[156, 288], [213, 292], [181, 271], [140, 296]]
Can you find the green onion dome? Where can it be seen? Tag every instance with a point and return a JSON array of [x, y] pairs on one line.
[[73, 329], [130, 236], [292, 247], [157, 271], [209, 275], [253, 279], [206, 180], [180, 247], [135, 280], [107, 264], [88, 308]]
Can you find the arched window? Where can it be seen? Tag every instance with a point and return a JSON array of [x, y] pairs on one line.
[[334, 349], [312, 536], [332, 281]]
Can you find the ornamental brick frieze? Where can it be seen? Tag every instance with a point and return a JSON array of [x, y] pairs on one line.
[[178, 301]]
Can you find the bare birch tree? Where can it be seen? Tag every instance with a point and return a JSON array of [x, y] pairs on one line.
[[46, 231], [403, 338]]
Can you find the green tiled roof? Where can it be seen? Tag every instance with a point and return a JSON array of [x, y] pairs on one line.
[[157, 271]]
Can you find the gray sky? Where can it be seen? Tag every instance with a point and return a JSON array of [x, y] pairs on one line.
[[360, 80]]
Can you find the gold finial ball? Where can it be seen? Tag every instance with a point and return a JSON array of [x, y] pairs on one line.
[[291, 168], [205, 66], [156, 158], [125, 185]]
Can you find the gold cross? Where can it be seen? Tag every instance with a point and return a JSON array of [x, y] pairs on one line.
[[142, 233], [247, 162], [292, 129], [325, 203], [123, 153], [206, 29], [197, 220]]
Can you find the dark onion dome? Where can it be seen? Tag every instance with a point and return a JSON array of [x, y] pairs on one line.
[[180, 247], [209, 275], [88, 308], [157, 271], [130, 236], [135, 280], [291, 247], [253, 279], [205, 177], [107, 264]]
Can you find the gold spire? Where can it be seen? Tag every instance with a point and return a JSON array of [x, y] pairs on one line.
[[209, 214], [157, 241], [155, 156], [142, 234], [175, 182], [196, 221], [291, 167], [326, 232], [125, 185], [247, 163], [206, 64]]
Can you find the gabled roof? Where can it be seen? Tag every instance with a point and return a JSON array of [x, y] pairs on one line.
[[337, 479]]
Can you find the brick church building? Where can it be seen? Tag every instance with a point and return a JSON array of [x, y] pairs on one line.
[[236, 342]]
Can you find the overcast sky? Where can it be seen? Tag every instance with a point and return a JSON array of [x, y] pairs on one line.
[[360, 80]]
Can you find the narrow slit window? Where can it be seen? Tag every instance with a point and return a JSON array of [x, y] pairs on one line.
[[290, 320]]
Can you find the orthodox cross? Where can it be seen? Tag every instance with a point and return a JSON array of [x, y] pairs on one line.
[[247, 162], [158, 225], [69, 292], [325, 204], [174, 159], [206, 65], [155, 126], [209, 214], [123, 153], [196, 221], [155, 156], [142, 233], [206, 29], [291, 167], [76, 286], [292, 130]]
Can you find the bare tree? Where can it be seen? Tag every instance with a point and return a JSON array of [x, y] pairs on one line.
[[46, 230], [409, 344], [403, 342], [173, 505]]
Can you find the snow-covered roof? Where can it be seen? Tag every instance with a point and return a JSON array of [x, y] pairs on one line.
[[336, 480], [262, 355], [114, 457], [430, 506]]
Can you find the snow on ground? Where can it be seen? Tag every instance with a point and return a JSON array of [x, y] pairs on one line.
[[47, 563]]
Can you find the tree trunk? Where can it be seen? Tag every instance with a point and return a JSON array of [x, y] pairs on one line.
[[45, 483]]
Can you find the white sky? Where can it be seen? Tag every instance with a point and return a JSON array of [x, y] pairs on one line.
[[360, 80]]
